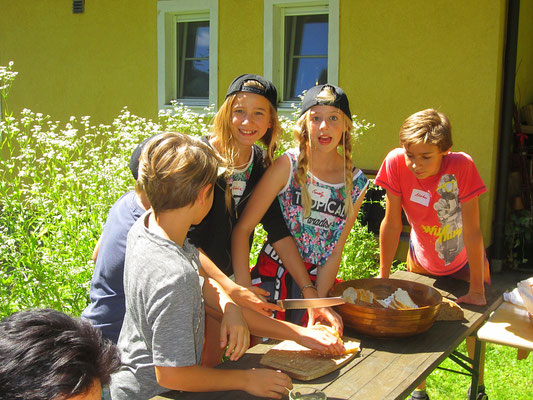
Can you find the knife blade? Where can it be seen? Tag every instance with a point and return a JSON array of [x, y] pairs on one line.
[[290, 304]]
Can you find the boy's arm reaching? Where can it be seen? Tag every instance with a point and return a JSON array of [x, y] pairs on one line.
[[234, 330], [389, 233], [473, 240], [195, 378]]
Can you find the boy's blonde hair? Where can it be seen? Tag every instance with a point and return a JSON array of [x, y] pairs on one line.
[[173, 168], [301, 134], [427, 126], [222, 129]]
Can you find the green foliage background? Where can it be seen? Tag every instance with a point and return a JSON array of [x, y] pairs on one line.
[[57, 184]]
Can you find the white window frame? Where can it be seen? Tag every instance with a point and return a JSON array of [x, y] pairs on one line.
[[169, 12], [274, 27]]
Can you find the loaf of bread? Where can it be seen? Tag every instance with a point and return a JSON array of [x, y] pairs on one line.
[[450, 311], [350, 345]]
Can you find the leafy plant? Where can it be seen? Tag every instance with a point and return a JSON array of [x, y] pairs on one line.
[[57, 183], [519, 237]]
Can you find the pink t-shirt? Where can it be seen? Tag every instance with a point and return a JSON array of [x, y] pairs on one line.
[[433, 207]]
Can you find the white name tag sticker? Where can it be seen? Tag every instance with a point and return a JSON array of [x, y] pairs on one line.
[[319, 194], [420, 197], [237, 188]]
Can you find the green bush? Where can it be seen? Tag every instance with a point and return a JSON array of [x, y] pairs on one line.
[[57, 184]]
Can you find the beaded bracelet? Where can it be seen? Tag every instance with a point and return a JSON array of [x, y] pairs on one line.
[[310, 285]]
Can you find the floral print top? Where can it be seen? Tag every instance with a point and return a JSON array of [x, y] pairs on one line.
[[317, 235]]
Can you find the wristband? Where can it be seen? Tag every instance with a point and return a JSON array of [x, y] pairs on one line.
[[310, 285]]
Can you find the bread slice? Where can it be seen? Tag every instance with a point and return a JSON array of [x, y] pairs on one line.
[[351, 295], [402, 300], [450, 311], [382, 303]]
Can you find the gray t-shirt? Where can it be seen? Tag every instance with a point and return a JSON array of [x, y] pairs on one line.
[[164, 321]]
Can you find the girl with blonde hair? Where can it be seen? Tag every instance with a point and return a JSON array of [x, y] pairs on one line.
[[247, 117], [311, 184]]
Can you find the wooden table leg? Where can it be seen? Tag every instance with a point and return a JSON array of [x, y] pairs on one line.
[[476, 362], [522, 354]]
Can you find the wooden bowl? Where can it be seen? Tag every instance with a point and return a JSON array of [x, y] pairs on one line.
[[374, 320]]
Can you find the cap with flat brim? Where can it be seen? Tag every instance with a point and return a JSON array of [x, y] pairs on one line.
[[134, 159], [311, 99], [269, 91]]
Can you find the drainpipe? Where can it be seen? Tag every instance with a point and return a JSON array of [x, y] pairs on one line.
[[506, 135]]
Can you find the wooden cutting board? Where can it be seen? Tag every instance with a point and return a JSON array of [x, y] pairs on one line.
[[301, 363]]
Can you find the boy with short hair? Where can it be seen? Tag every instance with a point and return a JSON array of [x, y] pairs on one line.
[[438, 190], [162, 335], [46, 354]]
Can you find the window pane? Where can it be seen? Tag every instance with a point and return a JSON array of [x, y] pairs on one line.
[[196, 79], [306, 53], [311, 35], [193, 59], [306, 73], [198, 39]]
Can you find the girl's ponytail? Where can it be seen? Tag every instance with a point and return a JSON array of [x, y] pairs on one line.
[[302, 136], [348, 166]]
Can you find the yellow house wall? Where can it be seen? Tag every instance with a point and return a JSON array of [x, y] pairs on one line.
[[399, 57], [93, 63], [396, 58], [524, 59], [240, 41]]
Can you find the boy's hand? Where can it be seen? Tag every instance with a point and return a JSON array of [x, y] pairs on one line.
[[325, 314], [477, 299], [253, 297], [267, 383], [321, 340], [234, 326]]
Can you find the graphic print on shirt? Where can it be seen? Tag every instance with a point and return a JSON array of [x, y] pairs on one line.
[[450, 239], [324, 207]]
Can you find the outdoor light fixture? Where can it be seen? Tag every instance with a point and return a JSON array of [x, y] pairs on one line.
[[78, 6]]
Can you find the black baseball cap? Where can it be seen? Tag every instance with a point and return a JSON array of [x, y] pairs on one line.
[[134, 159], [270, 91], [341, 100]]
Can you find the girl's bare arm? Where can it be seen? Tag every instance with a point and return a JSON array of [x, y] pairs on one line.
[[264, 193]]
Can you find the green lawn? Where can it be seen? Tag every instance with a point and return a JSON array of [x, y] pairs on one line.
[[506, 378]]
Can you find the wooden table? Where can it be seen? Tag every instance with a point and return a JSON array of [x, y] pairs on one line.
[[390, 368], [510, 326]]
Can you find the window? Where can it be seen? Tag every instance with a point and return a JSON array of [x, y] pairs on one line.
[[187, 43], [306, 53], [301, 42], [193, 59]]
